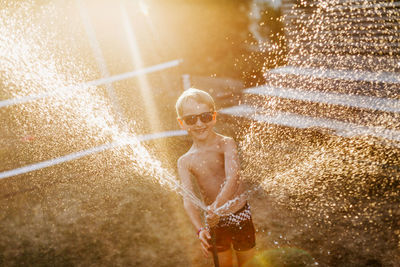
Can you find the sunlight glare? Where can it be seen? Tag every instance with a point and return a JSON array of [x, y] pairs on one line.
[[144, 8]]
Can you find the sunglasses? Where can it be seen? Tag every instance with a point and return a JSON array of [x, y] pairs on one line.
[[204, 117]]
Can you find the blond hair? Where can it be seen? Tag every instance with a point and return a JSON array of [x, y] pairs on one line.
[[194, 94]]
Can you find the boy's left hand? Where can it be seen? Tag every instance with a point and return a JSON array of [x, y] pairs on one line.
[[211, 217]]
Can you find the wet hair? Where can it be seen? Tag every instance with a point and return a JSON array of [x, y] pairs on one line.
[[194, 94]]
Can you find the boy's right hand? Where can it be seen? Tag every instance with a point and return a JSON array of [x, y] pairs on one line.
[[205, 237]]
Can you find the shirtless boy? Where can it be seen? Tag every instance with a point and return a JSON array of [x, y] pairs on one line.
[[213, 163]]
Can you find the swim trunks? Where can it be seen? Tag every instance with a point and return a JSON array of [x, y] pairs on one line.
[[236, 229]]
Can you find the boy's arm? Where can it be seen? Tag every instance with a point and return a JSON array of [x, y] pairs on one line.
[[232, 174], [191, 209]]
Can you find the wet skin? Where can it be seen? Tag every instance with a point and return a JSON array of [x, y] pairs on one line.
[[214, 163]]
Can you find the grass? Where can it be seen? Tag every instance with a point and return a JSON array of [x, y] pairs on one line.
[[99, 211], [100, 217]]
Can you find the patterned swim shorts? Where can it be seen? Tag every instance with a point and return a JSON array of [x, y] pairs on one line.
[[236, 229]]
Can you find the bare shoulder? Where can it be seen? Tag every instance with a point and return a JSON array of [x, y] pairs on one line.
[[227, 142], [184, 160]]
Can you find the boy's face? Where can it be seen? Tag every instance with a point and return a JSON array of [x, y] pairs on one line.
[[196, 119]]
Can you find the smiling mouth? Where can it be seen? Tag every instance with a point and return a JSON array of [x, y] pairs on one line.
[[199, 130]]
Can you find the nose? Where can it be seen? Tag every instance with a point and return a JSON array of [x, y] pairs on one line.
[[198, 121]]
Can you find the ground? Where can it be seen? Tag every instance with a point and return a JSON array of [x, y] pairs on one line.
[[111, 215]]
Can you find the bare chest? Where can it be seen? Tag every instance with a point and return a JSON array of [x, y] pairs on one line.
[[208, 163]]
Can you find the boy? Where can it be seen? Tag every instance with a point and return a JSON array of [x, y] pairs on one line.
[[213, 162]]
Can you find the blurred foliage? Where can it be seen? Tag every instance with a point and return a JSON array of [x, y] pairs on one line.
[[214, 40]]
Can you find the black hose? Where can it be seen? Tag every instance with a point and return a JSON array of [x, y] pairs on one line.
[[214, 247]]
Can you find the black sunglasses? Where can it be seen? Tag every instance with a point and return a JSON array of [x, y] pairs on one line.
[[204, 117]]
